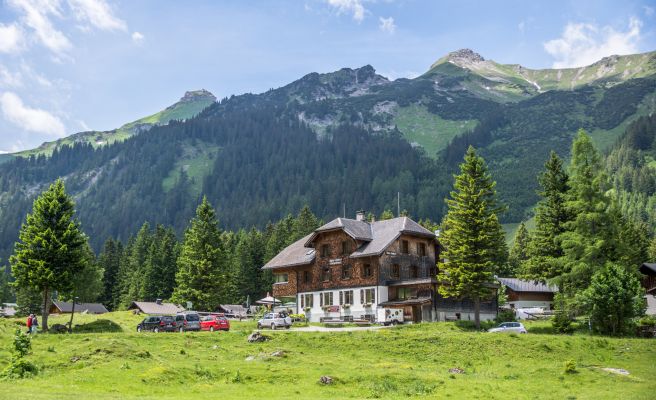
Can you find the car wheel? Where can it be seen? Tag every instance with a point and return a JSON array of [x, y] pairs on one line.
[[395, 322], [138, 329], [156, 330], [259, 326], [273, 327], [288, 326], [211, 329]]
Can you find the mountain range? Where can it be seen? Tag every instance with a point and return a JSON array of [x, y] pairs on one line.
[[350, 137]]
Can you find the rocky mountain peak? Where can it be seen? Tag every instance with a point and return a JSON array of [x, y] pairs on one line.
[[465, 55], [196, 95]]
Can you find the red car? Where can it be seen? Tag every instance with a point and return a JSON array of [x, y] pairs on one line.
[[214, 323]]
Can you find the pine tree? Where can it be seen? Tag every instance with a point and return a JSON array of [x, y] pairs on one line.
[[137, 265], [51, 246], [88, 282], [109, 260], [544, 250], [306, 222], [588, 239], [387, 214], [473, 238], [518, 251], [202, 264]]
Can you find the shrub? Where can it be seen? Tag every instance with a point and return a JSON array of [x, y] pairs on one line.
[[570, 367], [561, 321], [19, 367], [505, 316]]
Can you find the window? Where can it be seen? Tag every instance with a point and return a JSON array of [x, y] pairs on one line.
[[325, 250], [346, 247], [307, 276], [367, 296], [403, 293], [346, 271], [414, 271], [421, 249], [326, 299], [307, 300], [325, 274], [280, 278], [366, 271], [405, 247], [395, 273], [345, 297]]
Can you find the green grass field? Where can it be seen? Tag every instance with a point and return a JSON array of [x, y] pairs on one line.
[[403, 362]]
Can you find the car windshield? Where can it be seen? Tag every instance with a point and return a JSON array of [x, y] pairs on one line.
[[167, 319], [193, 317]]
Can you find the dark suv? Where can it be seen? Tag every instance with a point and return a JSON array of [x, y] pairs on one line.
[[158, 323], [188, 321]]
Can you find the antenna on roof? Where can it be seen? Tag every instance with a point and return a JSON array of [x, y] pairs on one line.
[[398, 204]]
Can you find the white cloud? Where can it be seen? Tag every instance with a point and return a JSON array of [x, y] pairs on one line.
[[11, 38], [97, 13], [30, 119], [10, 79], [649, 11], [582, 44], [387, 25], [353, 7], [36, 15], [137, 37]]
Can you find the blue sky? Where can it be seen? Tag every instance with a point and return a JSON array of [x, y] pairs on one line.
[[73, 65]]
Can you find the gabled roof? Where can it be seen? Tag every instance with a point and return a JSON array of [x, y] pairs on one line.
[[519, 285], [294, 254], [154, 308], [387, 231], [358, 230], [377, 236], [92, 308]]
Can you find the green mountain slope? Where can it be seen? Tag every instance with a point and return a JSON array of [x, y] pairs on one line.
[[349, 137], [191, 104]]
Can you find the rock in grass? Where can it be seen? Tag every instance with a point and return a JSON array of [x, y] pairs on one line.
[[256, 337], [326, 380], [456, 370], [278, 353]]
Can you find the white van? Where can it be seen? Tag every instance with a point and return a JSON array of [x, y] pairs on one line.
[[389, 316]]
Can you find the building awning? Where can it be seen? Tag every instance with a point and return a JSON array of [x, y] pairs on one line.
[[406, 302], [410, 282]]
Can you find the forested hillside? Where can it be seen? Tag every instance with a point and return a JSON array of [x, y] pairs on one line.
[[350, 138]]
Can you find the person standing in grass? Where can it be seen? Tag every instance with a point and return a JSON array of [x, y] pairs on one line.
[[35, 324], [29, 323]]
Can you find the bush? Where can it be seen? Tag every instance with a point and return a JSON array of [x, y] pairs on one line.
[[19, 367], [562, 320], [505, 316], [570, 367]]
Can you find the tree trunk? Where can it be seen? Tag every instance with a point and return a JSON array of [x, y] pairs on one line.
[[477, 311], [44, 314]]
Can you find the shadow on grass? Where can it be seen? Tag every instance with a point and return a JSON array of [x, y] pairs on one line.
[[98, 326]]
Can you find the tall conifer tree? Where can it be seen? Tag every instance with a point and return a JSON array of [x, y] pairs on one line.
[[202, 264], [544, 250], [51, 246], [473, 238]]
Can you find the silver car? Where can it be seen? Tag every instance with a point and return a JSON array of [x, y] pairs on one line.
[[188, 321], [509, 327], [275, 320]]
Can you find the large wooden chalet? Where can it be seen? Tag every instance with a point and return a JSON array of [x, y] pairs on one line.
[[349, 268]]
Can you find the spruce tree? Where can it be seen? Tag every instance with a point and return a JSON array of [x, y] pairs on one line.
[[202, 264], [109, 260], [473, 239], [544, 250], [305, 223], [589, 238], [51, 247], [88, 282], [518, 251]]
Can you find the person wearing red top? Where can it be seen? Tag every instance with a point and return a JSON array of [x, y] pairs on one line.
[[29, 323]]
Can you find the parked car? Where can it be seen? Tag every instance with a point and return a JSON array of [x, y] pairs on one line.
[[158, 323], [188, 321], [275, 320], [215, 323], [509, 327]]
